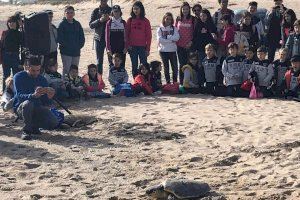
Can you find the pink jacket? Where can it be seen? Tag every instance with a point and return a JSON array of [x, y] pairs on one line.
[[228, 36], [138, 32], [185, 29]]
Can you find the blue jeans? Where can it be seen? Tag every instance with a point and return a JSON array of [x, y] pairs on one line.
[[11, 62], [100, 46], [137, 53]]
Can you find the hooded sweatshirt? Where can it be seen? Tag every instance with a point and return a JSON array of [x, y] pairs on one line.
[[138, 32], [265, 72], [167, 43], [232, 70], [96, 24], [70, 38]]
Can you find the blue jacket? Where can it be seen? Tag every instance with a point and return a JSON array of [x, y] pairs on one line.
[[24, 87], [70, 38]]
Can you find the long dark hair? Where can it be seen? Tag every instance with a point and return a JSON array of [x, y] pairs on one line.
[[141, 6], [286, 24], [12, 19], [207, 13], [181, 7]]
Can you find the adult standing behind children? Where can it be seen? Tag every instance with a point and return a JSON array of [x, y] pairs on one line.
[[10, 46], [273, 28], [53, 41], [32, 98], [223, 10], [138, 36], [71, 39], [98, 21]]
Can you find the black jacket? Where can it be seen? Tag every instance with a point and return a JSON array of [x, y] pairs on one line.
[[200, 40], [96, 24]]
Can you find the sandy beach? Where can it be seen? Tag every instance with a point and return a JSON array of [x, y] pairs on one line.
[[244, 149]]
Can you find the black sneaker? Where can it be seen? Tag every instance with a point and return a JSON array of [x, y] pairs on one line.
[[25, 136]]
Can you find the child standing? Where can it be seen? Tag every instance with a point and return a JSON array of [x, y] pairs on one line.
[[117, 74], [167, 36], [249, 30], [264, 70], [232, 70], [291, 85], [115, 35], [74, 84], [293, 41], [93, 83], [281, 66], [212, 69], [138, 36], [185, 24], [55, 80], [142, 82], [156, 82], [191, 83]]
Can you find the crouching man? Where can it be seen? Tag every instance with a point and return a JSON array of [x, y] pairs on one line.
[[33, 99]]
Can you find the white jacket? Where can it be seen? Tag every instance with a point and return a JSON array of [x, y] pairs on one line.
[[167, 43]]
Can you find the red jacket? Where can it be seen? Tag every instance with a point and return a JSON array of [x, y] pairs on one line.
[[140, 80], [138, 33], [89, 88], [288, 78], [228, 36]]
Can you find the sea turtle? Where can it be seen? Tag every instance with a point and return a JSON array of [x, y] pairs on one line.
[[175, 189]]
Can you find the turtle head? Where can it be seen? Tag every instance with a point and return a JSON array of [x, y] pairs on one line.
[[156, 191]]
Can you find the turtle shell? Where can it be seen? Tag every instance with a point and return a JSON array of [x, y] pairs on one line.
[[186, 189]]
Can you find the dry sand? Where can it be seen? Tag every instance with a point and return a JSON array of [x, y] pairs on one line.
[[244, 149]]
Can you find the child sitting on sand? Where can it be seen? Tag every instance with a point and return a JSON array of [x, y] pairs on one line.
[[93, 83], [156, 82], [142, 82], [232, 70], [74, 84], [191, 84], [291, 83], [117, 74], [7, 99], [55, 80]]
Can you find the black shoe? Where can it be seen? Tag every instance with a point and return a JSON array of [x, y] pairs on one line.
[[25, 136], [36, 132]]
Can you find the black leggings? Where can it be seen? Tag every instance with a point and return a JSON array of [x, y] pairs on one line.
[[170, 57]]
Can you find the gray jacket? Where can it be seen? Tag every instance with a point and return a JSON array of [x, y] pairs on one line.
[[265, 72], [293, 44], [232, 70]]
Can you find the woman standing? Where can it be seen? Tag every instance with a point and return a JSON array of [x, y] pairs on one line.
[[138, 36], [10, 47], [185, 25], [287, 26]]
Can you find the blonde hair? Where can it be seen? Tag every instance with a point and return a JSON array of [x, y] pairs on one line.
[[210, 46], [286, 50], [9, 81]]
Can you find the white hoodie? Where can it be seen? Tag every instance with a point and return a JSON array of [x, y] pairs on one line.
[[167, 43]]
